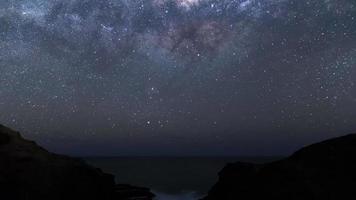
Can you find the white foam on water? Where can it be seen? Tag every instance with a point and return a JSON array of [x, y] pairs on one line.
[[181, 196]]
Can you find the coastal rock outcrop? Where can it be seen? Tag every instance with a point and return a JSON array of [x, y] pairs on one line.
[[29, 172], [326, 170]]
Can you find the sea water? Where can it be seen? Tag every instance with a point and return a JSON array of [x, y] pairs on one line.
[[170, 178]]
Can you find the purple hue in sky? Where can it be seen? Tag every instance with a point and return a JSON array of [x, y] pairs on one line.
[[178, 77]]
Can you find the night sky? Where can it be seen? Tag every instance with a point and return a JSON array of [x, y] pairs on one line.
[[178, 77]]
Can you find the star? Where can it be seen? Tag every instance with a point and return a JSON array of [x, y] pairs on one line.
[[244, 71]]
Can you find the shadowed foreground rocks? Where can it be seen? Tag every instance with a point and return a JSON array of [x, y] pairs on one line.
[[29, 172], [322, 171]]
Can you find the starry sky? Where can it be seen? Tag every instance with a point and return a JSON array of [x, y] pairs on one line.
[[178, 77]]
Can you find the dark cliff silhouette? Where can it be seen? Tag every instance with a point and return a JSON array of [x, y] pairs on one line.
[[29, 172], [322, 171]]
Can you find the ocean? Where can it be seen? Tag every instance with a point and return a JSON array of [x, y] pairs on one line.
[[170, 178]]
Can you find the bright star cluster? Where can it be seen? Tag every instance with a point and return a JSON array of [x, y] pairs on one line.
[[187, 77]]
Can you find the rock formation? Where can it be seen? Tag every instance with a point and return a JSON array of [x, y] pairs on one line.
[[321, 171], [29, 172]]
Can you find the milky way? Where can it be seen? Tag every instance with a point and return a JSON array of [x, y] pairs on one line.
[[178, 77]]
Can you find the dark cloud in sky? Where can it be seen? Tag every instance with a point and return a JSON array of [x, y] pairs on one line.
[[178, 76]]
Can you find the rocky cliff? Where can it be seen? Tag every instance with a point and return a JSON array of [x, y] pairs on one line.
[[321, 171], [29, 172]]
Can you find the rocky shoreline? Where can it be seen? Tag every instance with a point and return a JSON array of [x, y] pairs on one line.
[[325, 170], [29, 172]]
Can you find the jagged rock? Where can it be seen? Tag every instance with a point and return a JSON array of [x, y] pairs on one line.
[[29, 172], [325, 170]]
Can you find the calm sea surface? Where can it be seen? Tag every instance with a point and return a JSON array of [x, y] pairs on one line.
[[170, 178]]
